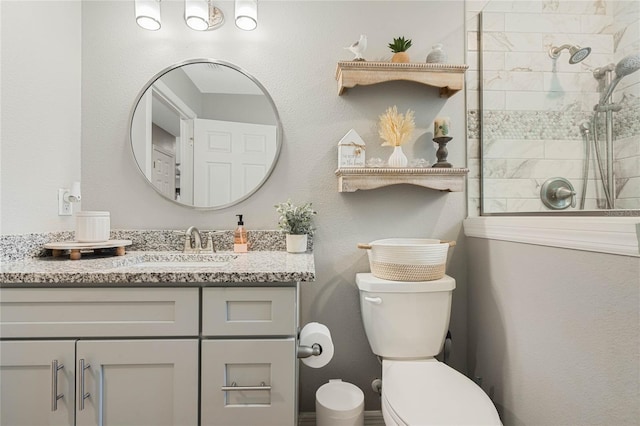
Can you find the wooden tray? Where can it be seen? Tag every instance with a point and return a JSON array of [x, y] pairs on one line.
[[76, 247]]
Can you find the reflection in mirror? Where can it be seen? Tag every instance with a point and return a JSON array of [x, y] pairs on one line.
[[205, 134]]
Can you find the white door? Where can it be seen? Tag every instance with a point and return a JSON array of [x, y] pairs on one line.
[[37, 383], [248, 382], [230, 159], [137, 382], [164, 172]]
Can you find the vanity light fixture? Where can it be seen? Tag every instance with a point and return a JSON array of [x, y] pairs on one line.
[[247, 14], [201, 15], [148, 14]]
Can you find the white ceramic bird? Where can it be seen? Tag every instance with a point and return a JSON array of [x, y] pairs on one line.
[[358, 48]]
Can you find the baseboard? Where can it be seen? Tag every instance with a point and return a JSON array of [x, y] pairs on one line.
[[371, 418]]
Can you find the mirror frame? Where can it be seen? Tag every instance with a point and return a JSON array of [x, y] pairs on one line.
[[156, 77]]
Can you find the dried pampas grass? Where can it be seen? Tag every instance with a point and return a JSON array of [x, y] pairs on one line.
[[395, 128]]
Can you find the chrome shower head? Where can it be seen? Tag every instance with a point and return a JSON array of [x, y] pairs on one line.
[[627, 65], [578, 54]]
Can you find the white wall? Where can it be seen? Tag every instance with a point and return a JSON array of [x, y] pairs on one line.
[[40, 112], [555, 333], [293, 53]]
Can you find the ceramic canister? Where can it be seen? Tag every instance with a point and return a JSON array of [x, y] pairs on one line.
[[92, 226]]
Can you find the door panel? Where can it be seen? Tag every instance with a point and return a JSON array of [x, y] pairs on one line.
[[262, 371], [29, 384], [230, 159], [138, 382]]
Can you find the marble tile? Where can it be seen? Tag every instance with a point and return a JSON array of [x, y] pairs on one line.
[[629, 189], [507, 148], [494, 168], [569, 82], [495, 205], [494, 100], [564, 149], [512, 42], [511, 188], [506, 80], [596, 24], [473, 188], [493, 21], [514, 6], [591, 7], [545, 23], [544, 169], [473, 148]]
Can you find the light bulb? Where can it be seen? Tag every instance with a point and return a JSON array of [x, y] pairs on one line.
[[148, 14], [246, 14]]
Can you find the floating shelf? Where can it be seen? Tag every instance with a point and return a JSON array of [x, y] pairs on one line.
[[442, 179], [448, 77]]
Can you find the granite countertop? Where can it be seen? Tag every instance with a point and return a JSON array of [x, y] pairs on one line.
[[140, 268]]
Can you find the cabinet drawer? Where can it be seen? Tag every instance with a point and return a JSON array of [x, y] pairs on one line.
[[97, 312], [249, 311], [262, 371]]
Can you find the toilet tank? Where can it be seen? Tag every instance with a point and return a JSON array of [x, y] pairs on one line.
[[405, 319]]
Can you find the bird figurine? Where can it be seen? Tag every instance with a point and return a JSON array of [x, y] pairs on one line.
[[358, 48]]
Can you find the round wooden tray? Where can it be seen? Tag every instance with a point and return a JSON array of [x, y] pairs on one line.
[[75, 247]]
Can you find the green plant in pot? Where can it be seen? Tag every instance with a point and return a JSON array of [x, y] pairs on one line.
[[296, 222], [399, 48]]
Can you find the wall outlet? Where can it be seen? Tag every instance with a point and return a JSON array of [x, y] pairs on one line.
[[64, 207]]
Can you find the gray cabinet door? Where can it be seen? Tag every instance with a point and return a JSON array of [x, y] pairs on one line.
[[137, 382], [248, 382], [37, 382]]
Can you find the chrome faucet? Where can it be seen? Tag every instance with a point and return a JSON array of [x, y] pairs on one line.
[[193, 242]]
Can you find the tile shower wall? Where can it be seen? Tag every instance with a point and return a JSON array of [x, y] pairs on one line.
[[534, 105]]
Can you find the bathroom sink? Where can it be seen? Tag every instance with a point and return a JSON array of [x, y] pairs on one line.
[[181, 264], [180, 260]]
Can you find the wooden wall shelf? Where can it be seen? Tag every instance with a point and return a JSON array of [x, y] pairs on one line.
[[448, 77], [442, 179]]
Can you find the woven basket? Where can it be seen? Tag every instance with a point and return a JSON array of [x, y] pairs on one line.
[[400, 272]]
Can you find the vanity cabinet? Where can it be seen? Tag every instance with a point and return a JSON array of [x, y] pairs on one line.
[[92, 356], [249, 356], [150, 380]]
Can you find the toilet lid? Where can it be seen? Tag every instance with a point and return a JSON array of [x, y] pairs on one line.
[[428, 392]]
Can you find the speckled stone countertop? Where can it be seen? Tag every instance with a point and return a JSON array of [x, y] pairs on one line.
[[141, 268]]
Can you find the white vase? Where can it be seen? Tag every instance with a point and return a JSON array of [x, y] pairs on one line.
[[397, 159], [296, 243]]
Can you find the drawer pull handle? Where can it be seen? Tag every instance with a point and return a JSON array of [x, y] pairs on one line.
[[235, 387], [83, 395], [55, 367]]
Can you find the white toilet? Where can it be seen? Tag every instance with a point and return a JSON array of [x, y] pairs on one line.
[[406, 324]]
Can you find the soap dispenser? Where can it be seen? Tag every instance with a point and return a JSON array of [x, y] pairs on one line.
[[240, 237]]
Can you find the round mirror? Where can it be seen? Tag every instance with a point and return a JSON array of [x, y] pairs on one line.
[[205, 134]]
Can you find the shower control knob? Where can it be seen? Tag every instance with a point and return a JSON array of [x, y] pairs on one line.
[[558, 194]]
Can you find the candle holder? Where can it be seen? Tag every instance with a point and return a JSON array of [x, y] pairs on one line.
[[442, 152]]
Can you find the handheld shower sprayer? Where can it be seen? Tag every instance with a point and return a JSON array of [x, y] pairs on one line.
[[627, 65]]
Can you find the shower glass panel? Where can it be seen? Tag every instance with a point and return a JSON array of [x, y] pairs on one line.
[[559, 97]]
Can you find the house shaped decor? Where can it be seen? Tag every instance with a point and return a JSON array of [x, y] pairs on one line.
[[351, 150]]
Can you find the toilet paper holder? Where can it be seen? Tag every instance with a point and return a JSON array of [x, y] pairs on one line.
[[307, 351]]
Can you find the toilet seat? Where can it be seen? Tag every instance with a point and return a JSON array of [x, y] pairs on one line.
[[428, 392]]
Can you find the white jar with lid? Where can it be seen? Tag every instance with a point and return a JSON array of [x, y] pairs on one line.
[[93, 227]]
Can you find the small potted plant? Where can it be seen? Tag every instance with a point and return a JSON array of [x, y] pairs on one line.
[[295, 222], [399, 48]]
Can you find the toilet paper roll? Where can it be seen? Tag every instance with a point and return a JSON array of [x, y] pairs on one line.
[[314, 332]]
